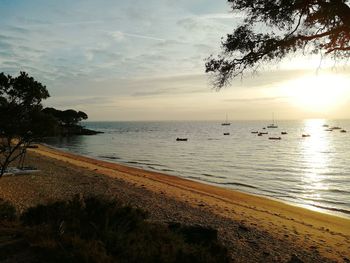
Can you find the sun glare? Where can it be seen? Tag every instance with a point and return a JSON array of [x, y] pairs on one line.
[[318, 92]]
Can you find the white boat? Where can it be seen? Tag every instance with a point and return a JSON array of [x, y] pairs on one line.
[[272, 125], [226, 123]]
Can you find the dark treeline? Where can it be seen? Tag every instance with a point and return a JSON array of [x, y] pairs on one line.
[[67, 122]]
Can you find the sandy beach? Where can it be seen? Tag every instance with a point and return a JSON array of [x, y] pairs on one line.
[[254, 228]]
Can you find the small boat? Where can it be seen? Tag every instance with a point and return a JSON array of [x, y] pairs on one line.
[[226, 123], [325, 125], [264, 132], [264, 128], [181, 139], [329, 130], [343, 131], [275, 138], [259, 134], [284, 133], [226, 133], [335, 128], [272, 125], [254, 132], [305, 135]]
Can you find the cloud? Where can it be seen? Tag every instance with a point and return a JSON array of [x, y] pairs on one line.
[[206, 23], [257, 99], [17, 29], [74, 102], [229, 16], [120, 36], [4, 45]]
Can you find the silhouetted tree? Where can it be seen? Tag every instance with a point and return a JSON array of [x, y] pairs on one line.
[[312, 26], [67, 117], [21, 116]]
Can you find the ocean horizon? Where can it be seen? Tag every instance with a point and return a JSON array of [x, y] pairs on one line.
[[311, 172]]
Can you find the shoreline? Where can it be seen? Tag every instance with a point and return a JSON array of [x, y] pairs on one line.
[[345, 214], [276, 217], [254, 228]]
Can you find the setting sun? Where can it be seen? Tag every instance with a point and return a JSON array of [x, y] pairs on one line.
[[317, 92]]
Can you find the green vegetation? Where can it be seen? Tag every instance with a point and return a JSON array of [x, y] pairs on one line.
[[66, 117], [23, 119], [272, 29], [68, 122], [7, 211], [100, 230], [21, 116]]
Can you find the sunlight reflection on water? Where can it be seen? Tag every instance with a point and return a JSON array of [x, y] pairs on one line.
[[308, 171], [314, 151]]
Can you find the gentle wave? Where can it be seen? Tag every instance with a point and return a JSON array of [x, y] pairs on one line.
[[294, 169], [239, 184], [214, 176], [341, 210], [109, 157]]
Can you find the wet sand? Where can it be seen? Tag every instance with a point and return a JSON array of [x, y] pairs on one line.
[[254, 228]]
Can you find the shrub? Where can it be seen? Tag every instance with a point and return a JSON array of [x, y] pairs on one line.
[[7, 210], [99, 230]]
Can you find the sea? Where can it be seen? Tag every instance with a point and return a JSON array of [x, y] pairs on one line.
[[312, 172]]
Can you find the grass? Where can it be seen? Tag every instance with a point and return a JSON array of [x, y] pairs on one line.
[[100, 230]]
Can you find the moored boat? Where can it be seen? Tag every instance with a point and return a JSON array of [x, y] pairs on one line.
[[226, 123], [272, 125]]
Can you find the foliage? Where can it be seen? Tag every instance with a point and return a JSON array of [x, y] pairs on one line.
[[99, 230], [7, 210], [67, 117], [291, 25], [21, 116]]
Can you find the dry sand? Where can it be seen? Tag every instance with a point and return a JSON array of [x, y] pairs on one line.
[[255, 229]]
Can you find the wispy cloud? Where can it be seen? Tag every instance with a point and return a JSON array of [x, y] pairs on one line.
[[257, 99], [228, 16], [151, 49], [119, 35]]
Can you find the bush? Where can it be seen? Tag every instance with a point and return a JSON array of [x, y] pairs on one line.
[[7, 211], [99, 230]]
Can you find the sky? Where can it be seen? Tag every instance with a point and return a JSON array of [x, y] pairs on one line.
[[145, 60]]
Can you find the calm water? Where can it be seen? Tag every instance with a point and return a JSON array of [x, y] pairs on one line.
[[312, 172]]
